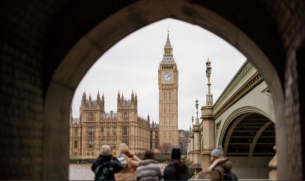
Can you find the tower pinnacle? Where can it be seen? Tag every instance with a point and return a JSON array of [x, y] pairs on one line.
[[168, 45]]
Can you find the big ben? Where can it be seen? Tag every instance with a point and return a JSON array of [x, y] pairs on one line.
[[168, 78]]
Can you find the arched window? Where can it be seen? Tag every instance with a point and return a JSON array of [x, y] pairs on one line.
[[125, 115], [114, 130], [90, 115], [91, 131], [108, 130], [90, 144], [114, 143], [125, 130], [102, 131], [75, 144], [75, 131]]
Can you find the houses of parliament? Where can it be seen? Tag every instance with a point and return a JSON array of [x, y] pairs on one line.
[[95, 127]]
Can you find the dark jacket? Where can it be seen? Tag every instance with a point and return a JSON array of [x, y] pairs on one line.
[[176, 170], [219, 168], [149, 170], [112, 164]]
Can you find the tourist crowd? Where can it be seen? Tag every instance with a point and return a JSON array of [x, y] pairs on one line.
[[128, 166]]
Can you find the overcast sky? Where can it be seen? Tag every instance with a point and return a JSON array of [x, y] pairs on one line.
[[132, 64]]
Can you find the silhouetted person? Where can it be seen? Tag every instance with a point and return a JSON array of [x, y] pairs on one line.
[[130, 163], [220, 168], [149, 168], [105, 166], [176, 170]]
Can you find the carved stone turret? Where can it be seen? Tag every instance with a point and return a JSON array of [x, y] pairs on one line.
[[90, 100], [98, 98], [103, 103], [132, 97], [84, 100]]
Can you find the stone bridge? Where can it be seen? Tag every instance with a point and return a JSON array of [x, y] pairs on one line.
[[242, 121]]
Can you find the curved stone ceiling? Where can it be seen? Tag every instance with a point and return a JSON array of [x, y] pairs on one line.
[[252, 136]]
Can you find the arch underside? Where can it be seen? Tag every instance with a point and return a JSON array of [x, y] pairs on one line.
[[253, 135]]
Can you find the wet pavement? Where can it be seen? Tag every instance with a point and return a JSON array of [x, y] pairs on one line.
[[80, 172]]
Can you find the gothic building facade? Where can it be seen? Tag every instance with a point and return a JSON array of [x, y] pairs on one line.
[[96, 127]]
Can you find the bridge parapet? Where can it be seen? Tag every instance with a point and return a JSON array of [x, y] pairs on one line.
[[241, 78]]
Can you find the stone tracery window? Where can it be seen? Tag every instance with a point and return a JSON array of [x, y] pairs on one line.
[[108, 130], [114, 143], [75, 131], [90, 115], [125, 130], [91, 131], [114, 130], [90, 144]]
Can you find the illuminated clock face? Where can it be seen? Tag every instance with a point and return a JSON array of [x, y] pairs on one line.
[[167, 77]]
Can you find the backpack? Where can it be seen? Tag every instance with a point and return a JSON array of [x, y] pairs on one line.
[[104, 172], [230, 176]]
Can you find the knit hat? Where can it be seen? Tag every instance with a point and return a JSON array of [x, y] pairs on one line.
[[176, 154], [217, 152], [105, 150]]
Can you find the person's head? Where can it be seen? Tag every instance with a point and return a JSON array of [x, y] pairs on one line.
[[149, 155], [216, 153], [176, 154], [105, 150], [123, 148]]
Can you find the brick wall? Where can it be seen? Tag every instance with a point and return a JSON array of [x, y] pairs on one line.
[[25, 26], [289, 17]]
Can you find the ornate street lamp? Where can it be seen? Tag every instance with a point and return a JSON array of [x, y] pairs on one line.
[[192, 120], [197, 119], [208, 72]]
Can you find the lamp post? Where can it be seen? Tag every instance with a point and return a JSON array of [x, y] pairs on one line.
[[192, 120], [208, 74], [196, 105]]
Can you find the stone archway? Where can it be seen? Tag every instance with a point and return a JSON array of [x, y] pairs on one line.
[[96, 42], [249, 142], [237, 116]]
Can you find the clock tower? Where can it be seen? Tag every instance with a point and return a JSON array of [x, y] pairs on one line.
[[168, 99]]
